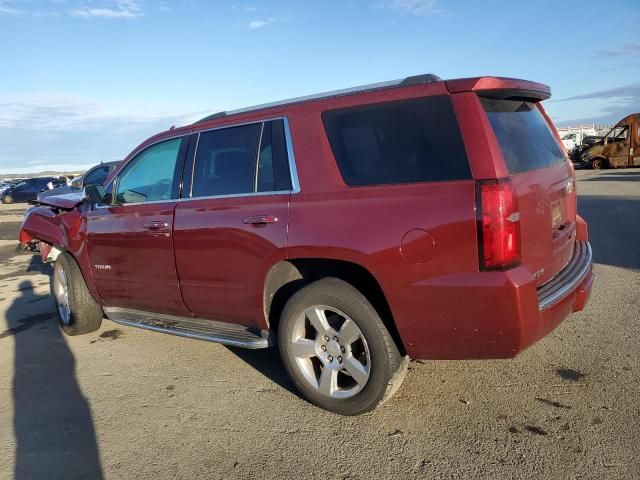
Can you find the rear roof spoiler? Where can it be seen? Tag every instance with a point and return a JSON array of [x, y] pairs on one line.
[[503, 88]]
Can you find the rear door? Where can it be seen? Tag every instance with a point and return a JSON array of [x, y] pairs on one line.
[[543, 180], [232, 225], [130, 239]]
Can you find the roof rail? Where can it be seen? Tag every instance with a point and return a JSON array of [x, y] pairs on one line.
[[402, 82]]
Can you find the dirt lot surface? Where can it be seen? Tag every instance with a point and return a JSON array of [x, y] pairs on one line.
[[125, 403]]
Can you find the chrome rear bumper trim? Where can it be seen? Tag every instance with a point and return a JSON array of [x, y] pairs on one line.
[[568, 279]]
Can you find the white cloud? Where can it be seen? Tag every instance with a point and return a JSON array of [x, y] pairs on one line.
[[263, 22], [67, 113], [627, 50], [6, 8], [113, 9], [254, 24], [414, 7]]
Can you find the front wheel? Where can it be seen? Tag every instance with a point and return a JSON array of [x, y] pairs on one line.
[[598, 163], [77, 310], [337, 350], [6, 199]]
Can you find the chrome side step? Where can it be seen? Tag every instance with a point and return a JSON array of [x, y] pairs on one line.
[[201, 329]]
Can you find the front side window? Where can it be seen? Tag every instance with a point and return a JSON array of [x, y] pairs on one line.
[[618, 134], [149, 177], [407, 141]]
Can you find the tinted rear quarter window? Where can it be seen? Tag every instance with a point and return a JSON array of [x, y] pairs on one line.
[[525, 138], [407, 141]]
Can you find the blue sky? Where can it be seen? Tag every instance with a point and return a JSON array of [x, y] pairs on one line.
[[85, 81]]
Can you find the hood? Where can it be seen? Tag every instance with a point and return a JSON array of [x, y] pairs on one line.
[[594, 149], [66, 201]]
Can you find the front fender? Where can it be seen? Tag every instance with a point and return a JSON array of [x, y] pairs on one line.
[[44, 224], [66, 231]]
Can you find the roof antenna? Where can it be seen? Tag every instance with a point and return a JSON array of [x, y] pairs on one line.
[[172, 127]]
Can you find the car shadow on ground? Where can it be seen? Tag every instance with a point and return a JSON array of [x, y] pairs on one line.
[[267, 361], [36, 265], [606, 215], [53, 426], [618, 177]]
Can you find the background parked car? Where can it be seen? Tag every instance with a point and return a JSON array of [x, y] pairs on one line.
[[619, 148], [576, 152], [28, 189], [94, 176], [8, 183]]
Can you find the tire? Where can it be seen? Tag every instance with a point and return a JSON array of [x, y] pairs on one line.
[[6, 199], [598, 163], [77, 311], [372, 368]]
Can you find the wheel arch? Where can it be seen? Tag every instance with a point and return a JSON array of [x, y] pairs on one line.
[[288, 276]]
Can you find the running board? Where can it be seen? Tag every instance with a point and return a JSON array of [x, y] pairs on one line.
[[198, 328]]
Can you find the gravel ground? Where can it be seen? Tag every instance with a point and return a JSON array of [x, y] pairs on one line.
[[125, 403]]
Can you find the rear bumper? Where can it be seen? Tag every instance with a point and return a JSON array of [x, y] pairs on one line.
[[489, 314], [568, 279]]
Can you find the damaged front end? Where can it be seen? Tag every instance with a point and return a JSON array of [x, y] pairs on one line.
[[51, 225]]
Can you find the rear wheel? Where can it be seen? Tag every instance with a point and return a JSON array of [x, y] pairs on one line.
[[7, 199], [598, 163], [337, 350], [78, 312]]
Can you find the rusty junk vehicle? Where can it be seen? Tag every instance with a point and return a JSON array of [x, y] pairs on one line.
[[419, 218], [619, 148]]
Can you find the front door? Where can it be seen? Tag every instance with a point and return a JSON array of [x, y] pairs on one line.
[[232, 227], [130, 238], [26, 190], [618, 146]]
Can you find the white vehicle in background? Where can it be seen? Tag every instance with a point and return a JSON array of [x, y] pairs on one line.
[[572, 140]]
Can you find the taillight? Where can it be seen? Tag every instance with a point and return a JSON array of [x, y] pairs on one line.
[[498, 224]]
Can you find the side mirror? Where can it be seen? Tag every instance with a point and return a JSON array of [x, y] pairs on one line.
[[93, 193]]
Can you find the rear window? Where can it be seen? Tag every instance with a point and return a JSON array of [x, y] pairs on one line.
[[525, 138], [409, 141]]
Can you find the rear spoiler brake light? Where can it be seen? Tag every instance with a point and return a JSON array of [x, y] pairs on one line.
[[502, 88]]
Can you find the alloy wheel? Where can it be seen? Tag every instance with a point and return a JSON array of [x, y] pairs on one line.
[[61, 292], [330, 351]]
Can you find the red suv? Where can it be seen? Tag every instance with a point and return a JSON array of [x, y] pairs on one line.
[[416, 218]]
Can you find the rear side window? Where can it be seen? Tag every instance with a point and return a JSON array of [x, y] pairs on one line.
[[273, 163], [243, 159], [398, 142], [525, 138]]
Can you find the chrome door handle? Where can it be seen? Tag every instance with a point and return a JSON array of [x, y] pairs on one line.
[[260, 219], [156, 225]]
